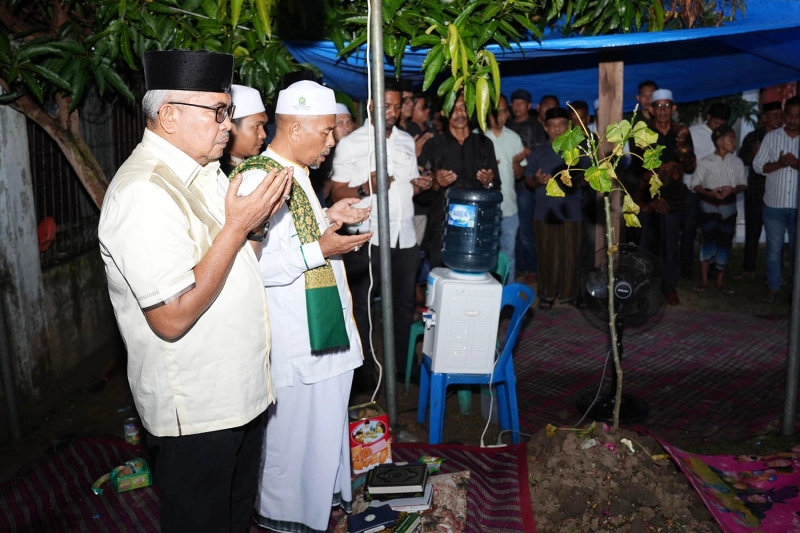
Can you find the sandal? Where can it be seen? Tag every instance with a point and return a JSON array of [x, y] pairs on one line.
[[724, 289], [700, 288], [545, 305]]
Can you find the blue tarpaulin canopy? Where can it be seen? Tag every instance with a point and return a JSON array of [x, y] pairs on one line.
[[758, 50]]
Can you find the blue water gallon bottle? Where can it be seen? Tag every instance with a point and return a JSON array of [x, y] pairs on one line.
[[472, 229]]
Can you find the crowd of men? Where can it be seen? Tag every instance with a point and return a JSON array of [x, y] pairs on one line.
[[241, 275]]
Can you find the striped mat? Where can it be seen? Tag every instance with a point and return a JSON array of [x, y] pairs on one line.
[[55, 494], [708, 377], [498, 497]]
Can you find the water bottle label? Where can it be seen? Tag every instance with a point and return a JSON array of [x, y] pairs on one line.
[[462, 216]]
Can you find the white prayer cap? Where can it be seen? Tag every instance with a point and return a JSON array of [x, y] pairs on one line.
[[342, 109], [247, 101], [306, 98], [662, 94]]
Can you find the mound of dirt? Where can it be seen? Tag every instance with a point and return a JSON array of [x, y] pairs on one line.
[[584, 481]]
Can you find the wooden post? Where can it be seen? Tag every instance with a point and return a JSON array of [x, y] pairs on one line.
[[610, 91]]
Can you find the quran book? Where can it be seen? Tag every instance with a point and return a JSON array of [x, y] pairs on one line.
[[372, 520], [408, 504], [397, 479]]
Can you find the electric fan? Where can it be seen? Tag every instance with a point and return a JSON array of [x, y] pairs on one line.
[[638, 295]]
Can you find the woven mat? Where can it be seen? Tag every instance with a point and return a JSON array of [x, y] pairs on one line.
[[708, 377], [498, 498], [55, 494]]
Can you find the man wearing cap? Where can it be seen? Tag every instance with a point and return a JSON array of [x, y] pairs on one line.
[[354, 177], [321, 176], [771, 119], [666, 211], [777, 159], [187, 293], [247, 127], [315, 346]]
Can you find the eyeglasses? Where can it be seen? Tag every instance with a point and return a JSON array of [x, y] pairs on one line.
[[666, 105], [222, 112], [408, 99]]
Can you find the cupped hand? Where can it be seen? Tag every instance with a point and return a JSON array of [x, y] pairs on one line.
[[485, 176], [248, 213], [444, 178], [344, 212], [331, 243]]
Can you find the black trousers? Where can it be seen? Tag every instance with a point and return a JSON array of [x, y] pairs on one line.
[[405, 265], [753, 222], [208, 481]]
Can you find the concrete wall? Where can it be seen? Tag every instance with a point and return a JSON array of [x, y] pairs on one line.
[[79, 315], [20, 273]]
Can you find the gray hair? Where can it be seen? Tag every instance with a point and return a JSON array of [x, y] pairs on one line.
[[153, 100]]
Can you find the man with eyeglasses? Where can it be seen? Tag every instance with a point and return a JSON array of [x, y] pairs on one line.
[[407, 105], [187, 292], [662, 215]]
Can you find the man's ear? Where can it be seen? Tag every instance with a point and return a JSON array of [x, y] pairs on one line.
[[169, 117], [295, 131]]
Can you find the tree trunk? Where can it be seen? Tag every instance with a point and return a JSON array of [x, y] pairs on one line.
[[71, 143]]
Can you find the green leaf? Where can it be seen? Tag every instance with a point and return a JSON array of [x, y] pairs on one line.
[[629, 206], [490, 11], [618, 132], [644, 136], [568, 140], [446, 85], [433, 69], [482, 101], [125, 45], [652, 157], [48, 75], [26, 53], [465, 13], [210, 8], [452, 44], [422, 40], [553, 189], [157, 7], [78, 87], [431, 55], [263, 16], [353, 45], [116, 82], [236, 12], [495, 68], [10, 98], [33, 85], [469, 97], [655, 185], [598, 179], [631, 220]]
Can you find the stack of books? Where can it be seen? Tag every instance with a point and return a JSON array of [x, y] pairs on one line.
[[384, 520], [403, 487]]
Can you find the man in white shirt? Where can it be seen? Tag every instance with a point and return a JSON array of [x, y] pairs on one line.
[[305, 467], [187, 294], [777, 159], [354, 177], [510, 153], [716, 116], [247, 128]]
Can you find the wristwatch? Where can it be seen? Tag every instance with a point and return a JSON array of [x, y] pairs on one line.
[[259, 237], [361, 192]]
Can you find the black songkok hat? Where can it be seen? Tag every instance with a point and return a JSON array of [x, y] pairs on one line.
[[771, 106], [556, 112], [188, 70], [720, 132]]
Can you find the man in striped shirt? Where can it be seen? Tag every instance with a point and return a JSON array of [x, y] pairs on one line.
[[778, 160]]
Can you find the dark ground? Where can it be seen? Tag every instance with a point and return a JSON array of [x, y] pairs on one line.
[[571, 489]]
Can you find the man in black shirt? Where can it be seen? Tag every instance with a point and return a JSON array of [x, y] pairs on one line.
[[457, 158]]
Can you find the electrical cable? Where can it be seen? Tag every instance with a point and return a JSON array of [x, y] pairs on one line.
[[596, 396], [491, 397]]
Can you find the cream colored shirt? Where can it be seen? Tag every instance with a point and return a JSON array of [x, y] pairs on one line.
[[283, 262], [216, 376]]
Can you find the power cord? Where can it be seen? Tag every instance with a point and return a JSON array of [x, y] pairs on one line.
[[599, 388], [491, 397]]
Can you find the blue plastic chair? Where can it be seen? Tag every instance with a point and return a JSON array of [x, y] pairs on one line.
[[418, 328], [433, 386]]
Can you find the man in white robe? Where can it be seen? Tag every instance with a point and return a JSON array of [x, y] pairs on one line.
[[306, 458]]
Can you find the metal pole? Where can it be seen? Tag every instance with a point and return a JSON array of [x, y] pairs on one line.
[[9, 391], [790, 402], [379, 120]]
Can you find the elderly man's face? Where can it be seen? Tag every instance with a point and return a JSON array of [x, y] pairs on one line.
[[248, 137], [662, 110], [343, 126], [458, 116], [198, 133], [316, 139]]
